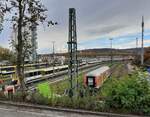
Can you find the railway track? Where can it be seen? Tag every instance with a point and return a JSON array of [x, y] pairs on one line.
[[60, 76]]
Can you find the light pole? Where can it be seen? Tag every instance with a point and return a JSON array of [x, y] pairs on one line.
[[53, 44], [135, 52], [111, 57]]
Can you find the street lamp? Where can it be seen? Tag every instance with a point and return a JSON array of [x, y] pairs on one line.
[[53, 44]]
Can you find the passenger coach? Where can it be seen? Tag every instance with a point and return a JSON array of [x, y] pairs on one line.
[[96, 78]]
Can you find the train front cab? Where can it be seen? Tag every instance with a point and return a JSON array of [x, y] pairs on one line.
[[89, 81], [94, 81]]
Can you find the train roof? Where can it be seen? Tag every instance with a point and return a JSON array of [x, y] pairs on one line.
[[7, 72], [98, 71], [63, 66], [33, 64], [2, 67], [26, 65], [57, 67], [47, 69], [42, 69]]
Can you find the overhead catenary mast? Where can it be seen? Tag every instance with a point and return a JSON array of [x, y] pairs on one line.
[[142, 44], [72, 51]]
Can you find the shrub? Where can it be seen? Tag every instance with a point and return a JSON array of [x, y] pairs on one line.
[[39, 99], [131, 93], [2, 96]]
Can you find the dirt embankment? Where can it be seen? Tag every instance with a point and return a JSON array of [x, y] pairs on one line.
[[120, 70]]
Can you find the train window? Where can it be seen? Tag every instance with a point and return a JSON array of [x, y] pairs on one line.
[[39, 73], [26, 75], [49, 72], [30, 74], [8, 69], [36, 73], [91, 81]]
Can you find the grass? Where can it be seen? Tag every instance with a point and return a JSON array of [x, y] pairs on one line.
[[60, 87]]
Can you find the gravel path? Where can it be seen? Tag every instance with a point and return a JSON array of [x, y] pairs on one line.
[[12, 111]]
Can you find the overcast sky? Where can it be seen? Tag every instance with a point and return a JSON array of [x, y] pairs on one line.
[[97, 21]]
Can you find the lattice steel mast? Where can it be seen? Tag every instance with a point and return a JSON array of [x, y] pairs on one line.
[[72, 51], [34, 43]]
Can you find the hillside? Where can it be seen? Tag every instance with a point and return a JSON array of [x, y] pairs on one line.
[[101, 52]]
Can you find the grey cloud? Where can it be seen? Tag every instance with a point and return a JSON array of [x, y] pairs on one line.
[[93, 12], [94, 18], [105, 30]]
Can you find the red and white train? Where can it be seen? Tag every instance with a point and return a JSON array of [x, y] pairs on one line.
[[96, 78]]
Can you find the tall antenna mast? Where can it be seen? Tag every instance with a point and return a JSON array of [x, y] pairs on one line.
[[72, 50], [136, 43], [142, 44], [34, 42]]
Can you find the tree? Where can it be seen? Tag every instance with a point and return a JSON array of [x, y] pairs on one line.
[[27, 46], [24, 13], [1, 20], [6, 54], [1, 17]]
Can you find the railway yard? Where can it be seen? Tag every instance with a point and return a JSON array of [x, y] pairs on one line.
[[101, 70], [48, 85]]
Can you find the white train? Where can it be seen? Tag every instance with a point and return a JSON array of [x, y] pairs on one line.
[[38, 74]]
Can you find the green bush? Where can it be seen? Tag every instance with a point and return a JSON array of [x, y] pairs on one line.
[[39, 99], [75, 102], [131, 93], [2, 96]]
